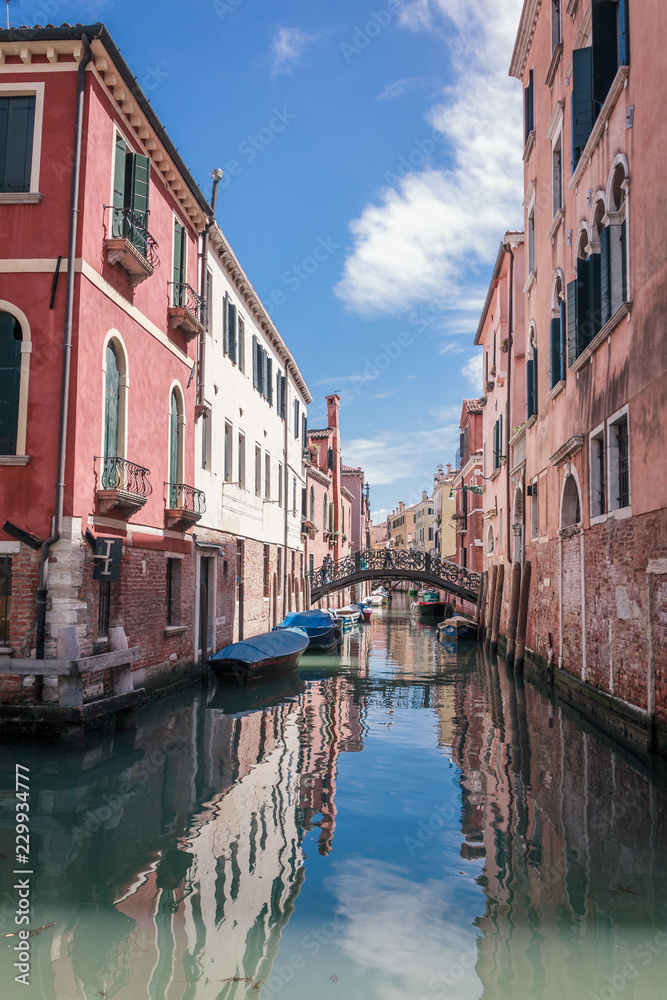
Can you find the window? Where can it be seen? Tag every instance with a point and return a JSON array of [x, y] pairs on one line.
[[281, 394], [267, 570], [176, 422], [489, 539], [619, 463], [613, 247], [497, 443], [557, 335], [531, 377], [17, 126], [178, 291], [206, 440], [557, 172], [570, 513], [280, 484], [173, 591], [304, 503], [331, 518], [342, 518], [610, 45], [311, 564], [267, 476], [584, 303], [228, 452], [311, 515], [531, 241], [598, 474], [258, 471], [241, 475], [304, 430], [555, 24], [529, 107], [241, 344], [131, 185], [293, 497], [11, 340], [533, 509], [430, 534], [262, 371], [330, 460], [5, 598], [229, 328], [296, 418], [325, 512]]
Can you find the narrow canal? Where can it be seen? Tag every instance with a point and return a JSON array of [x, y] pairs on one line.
[[404, 823]]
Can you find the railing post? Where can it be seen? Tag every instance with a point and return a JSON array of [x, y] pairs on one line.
[[70, 691], [357, 561]]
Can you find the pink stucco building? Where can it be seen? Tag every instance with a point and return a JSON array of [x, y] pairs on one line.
[[595, 358]]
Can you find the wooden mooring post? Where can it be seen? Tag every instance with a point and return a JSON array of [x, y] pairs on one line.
[[497, 607], [481, 598], [522, 619], [488, 618], [514, 613]]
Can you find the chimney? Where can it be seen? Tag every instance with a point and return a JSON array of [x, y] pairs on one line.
[[449, 467], [424, 496], [332, 410]]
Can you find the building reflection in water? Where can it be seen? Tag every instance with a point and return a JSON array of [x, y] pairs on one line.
[[570, 829]]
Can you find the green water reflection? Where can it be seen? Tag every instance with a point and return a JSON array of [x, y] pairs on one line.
[[402, 822]]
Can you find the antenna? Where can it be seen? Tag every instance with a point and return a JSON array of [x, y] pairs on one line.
[[17, 3]]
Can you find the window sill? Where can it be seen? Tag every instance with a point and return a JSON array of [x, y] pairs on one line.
[[496, 473], [602, 119], [530, 281], [20, 197], [528, 148], [553, 65], [14, 459], [623, 310], [171, 630], [555, 225], [558, 388], [531, 420]]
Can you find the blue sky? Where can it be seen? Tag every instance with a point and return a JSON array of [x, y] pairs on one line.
[[372, 158]]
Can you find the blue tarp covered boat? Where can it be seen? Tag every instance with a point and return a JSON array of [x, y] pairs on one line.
[[321, 628], [458, 627], [270, 654]]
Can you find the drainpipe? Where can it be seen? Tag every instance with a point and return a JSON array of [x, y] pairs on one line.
[[67, 353], [508, 432], [286, 493], [216, 175]]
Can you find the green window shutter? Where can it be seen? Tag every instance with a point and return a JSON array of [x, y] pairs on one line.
[[562, 326], [594, 296], [304, 503], [583, 109], [554, 352], [304, 430], [330, 460], [10, 382], [118, 227], [584, 326], [500, 438], [605, 47], [529, 107], [282, 396], [269, 380], [260, 368], [530, 387], [112, 395], [173, 444], [225, 324], [605, 274], [137, 183], [17, 119], [624, 259], [623, 33], [572, 322], [296, 418], [179, 263], [255, 363], [231, 327]]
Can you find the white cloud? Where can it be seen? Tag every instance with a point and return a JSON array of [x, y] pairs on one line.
[[286, 48], [377, 516], [412, 456], [451, 347], [473, 371], [418, 242], [399, 89]]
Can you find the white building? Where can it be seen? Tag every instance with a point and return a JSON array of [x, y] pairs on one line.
[[251, 434]]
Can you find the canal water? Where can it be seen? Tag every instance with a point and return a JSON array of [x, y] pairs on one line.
[[405, 822]]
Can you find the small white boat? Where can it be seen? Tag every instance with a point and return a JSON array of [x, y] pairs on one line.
[[350, 614], [376, 600]]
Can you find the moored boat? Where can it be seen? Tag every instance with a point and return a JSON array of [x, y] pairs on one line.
[[366, 611], [322, 629], [457, 627], [429, 605], [349, 615], [268, 655]]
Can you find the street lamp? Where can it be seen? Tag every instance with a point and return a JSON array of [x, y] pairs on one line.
[[469, 489]]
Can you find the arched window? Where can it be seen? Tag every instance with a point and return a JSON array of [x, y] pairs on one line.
[[489, 539], [570, 508], [531, 374], [517, 525], [325, 512], [11, 339], [111, 403], [557, 334], [176, 465], [311, 511], [614, 250]]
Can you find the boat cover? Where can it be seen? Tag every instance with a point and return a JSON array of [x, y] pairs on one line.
[[307, 620], [265, 646]]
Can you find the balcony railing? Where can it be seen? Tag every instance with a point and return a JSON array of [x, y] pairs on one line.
[[187, 310], [123, 484], [131, 245], [184, 502]]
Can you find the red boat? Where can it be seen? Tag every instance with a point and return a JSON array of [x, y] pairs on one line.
[[429, 605]]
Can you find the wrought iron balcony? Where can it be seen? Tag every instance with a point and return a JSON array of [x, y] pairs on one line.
[[123, 485], [187, 310], [184, 503], [131, 245]]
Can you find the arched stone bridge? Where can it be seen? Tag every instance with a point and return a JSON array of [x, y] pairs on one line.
[[371, 564]]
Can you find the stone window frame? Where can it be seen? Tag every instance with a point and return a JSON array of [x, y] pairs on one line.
[[20, 458], [597, 516], [570, 473], [612, 464], [28, 89]]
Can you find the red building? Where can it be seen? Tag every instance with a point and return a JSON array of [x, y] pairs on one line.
[[115, 266], [469, 516]]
